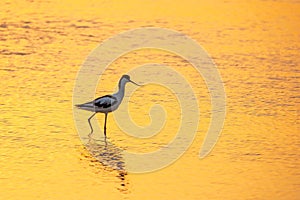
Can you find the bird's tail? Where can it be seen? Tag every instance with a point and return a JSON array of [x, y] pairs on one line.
[[86, 106]]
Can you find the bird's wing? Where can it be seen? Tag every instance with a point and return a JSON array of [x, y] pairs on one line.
[[105, 101]]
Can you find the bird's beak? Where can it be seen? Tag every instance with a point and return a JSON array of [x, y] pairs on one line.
[[134, 83]]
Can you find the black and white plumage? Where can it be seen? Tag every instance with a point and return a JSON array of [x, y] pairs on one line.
[[107, 103]]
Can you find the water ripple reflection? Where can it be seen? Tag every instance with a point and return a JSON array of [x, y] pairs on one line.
[[110, 156]]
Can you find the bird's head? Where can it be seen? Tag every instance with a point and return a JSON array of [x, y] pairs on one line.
[[127, 79]]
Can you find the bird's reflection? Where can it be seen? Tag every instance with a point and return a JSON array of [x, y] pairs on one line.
[[110, 156]]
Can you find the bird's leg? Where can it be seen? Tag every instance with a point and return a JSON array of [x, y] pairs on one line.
[[89, 120], [105, 125]]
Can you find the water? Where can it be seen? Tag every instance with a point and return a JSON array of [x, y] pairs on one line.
[[255, 46]]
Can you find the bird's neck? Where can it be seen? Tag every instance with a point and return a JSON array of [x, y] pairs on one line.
[[121, 91]]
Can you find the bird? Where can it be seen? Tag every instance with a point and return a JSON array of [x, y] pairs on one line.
[[107, 103]]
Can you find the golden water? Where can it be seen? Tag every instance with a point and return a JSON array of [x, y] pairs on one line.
[[255, 45]]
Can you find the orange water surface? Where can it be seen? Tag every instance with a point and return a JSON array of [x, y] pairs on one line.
[[254, 43]]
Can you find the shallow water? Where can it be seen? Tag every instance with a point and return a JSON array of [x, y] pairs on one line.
[[255, 45]]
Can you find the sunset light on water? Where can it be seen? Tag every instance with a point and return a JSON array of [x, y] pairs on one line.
[[255, 46]]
